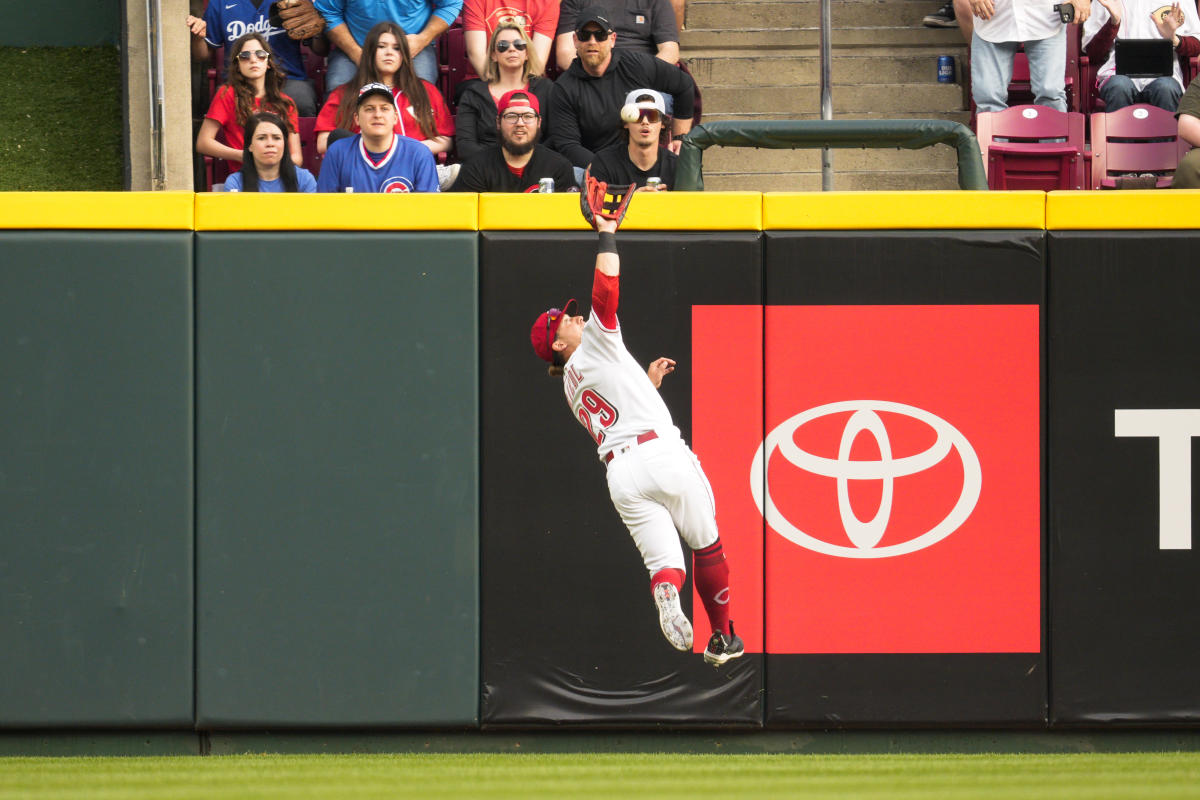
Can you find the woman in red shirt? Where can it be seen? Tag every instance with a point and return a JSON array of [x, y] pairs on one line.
[[423, 113], [253, 84]]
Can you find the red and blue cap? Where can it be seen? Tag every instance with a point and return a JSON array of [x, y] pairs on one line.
[[545, 329]]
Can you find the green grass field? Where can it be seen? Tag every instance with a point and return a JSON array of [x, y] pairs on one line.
[[1133, 775]]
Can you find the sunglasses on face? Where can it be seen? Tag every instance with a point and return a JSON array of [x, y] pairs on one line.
[[649, 115], [502, 46], [591, 35], [246, 55]]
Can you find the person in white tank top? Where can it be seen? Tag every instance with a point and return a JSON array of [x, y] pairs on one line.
[[654, 479]]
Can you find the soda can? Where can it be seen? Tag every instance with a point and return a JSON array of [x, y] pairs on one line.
[[653, 183], [546, 186], [945, 69]]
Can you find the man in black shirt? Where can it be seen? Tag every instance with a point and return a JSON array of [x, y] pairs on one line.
[[518, 163], [588, 96], [639, 157], [647, 26]]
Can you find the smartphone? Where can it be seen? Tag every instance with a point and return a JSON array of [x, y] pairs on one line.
[[1066, 12]]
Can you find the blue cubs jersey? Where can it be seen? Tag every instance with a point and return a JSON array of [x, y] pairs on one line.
[[406, 166]]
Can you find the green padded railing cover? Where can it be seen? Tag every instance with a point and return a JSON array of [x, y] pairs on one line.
[[910, 134]]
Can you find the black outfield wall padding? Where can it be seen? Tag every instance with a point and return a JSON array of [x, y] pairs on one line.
[[96, 479], [570, 632], [337, 528], [1125, 422], [901, 478]]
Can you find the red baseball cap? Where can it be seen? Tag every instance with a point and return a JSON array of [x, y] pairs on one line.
[[518, 100], [545, 328]]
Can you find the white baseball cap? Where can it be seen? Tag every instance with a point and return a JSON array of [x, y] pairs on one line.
[[656, 100]]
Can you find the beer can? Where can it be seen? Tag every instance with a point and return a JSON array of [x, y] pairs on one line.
[[653, 183], [546, 186], [945, 69]]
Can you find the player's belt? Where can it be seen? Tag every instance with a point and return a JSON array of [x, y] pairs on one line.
[[642, 438]]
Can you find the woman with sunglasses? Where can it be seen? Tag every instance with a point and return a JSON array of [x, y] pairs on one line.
[[423, 114], [512, 64], [253, 83], [266, 162]]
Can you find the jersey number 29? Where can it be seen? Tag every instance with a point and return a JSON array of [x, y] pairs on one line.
[[594, 407]]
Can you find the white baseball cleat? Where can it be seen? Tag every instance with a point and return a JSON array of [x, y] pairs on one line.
[[671, 619]]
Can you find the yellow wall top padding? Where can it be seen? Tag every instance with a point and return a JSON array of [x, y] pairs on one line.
[[903, 210], [96, 210]]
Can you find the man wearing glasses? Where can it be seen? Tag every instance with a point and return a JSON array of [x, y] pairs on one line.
[[518, 163], [639, 159], [589, 95]]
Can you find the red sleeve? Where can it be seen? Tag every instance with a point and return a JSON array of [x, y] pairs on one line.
[[293, 116], [472, 15], [1188, 46], [327, 116], [605, 289], [546, 19], [442, 121], [1100, 45]]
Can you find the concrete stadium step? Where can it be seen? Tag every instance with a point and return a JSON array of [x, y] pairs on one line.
[[861, 98], [754, 160], [788, 68], [694, 40], [843, 181], [733, 15]]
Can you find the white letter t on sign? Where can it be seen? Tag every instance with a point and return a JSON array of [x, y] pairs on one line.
[[1174, 429]]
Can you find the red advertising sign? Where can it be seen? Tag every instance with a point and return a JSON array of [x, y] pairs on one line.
[[897, 470]]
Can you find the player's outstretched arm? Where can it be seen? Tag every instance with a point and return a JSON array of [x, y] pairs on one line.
[[658, 369], [607, 260]]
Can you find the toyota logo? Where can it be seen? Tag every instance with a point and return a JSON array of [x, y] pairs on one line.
[[865, 419]]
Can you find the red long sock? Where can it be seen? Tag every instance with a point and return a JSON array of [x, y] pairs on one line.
[[712, 582], [675, 577]]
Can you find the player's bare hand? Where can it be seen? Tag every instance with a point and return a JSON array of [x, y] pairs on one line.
[[197, 25], [660, 368], [606, 225], [983, 8]]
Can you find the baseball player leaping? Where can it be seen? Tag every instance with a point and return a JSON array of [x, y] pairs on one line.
[[654, 479]]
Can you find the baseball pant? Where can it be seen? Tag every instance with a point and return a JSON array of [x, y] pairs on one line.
[[662, 494]]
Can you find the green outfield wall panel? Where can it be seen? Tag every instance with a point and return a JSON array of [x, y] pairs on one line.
[[337, 490], [96, 479]]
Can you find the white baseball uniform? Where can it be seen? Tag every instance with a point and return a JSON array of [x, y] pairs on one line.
[[655, 481]]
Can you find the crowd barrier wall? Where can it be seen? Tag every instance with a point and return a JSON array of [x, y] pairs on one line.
[[287, 463]]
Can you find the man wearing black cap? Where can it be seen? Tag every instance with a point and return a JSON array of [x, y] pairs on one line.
[[589, 95], [647, 26], [518, 163]]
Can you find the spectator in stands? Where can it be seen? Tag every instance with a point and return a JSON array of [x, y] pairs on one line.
[[266, 163], [254, 83], [481, 18], [646, 26], [377, 159], [588, 96], [350, 21], [224, 22], [422, 113], [518, 163], [512, 64], [1187, 174], [1140, 19], [1002, 25], [639, 156]]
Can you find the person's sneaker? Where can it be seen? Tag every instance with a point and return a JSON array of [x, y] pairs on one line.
[[671, 619], [942, 18], [722, 648], [446, 175]]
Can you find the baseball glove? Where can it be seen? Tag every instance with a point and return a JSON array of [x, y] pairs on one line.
[[594, 200], [297, 17]]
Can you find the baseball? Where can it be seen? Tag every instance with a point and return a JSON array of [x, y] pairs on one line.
[[630, 113]]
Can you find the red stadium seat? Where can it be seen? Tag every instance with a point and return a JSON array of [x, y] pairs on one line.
[[1136, 140], [308, 145], [1032, 147]]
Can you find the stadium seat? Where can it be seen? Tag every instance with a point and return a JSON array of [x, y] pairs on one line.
[[1032, 147], [308, 145], [1138, 140]]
